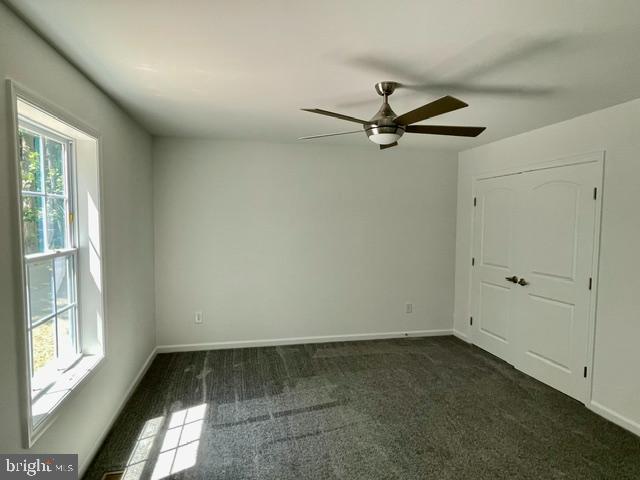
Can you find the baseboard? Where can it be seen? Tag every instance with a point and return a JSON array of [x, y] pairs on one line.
[[132, 386], [299, 340], [462, 336], [620, 420]]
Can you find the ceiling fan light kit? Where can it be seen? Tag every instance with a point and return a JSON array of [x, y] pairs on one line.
[[382, 137], [386, 128]]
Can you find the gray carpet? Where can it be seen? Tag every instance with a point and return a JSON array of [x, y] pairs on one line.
[[425, 408]]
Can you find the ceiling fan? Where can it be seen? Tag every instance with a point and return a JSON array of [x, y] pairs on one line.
[[386, 128]]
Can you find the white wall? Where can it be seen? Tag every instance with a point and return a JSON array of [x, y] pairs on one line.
[[616, 382], [128, 257], [301, 240]]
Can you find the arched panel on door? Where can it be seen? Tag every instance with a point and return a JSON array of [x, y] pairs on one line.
[[554, 229], [497, 231]]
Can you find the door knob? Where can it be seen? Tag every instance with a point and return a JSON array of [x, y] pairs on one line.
[[523, 282], [513, 279]]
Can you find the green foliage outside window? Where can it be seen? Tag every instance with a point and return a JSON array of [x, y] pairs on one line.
[[31, 171]]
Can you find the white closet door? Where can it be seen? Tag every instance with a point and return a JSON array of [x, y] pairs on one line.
[[493, 297], [555, 256]]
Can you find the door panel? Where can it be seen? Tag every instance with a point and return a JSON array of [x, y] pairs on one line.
[[556, 258], [496, 227], [553, 222], [492, 295], [549, 338], [494, 318]]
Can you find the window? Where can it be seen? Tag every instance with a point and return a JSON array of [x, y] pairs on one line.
[[58, 198], [50, 252]]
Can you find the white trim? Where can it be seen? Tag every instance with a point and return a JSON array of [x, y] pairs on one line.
[[125, 398], [189, 347], [564, 161], [614, 417], [462, 336], [87, 366], [595, 276], [19, 266]]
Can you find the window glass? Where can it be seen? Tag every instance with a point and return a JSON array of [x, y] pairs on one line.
[[54, 167], [33, 224], [66, 334], [30, 168], [43, 343], [40, 289], [63, 267], [56, 223]]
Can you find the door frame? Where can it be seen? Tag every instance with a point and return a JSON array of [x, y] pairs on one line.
[[597, 157]]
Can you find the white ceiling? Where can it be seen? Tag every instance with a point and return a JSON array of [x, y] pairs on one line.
[[242, 69]]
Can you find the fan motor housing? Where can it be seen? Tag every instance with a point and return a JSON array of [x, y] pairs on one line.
[[383, 122]]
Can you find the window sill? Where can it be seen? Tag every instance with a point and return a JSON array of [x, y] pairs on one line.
[[49, 375], [48, 403]]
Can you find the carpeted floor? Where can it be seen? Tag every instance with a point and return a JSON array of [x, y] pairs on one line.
[[423, 408]]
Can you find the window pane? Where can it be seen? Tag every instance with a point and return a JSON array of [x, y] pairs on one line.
[[40, 289], [56, 223], [54, 166], [32, 224], [64, 278], [66, 334], [30, 162], [43, 344]]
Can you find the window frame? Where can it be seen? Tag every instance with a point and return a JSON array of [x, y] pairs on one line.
[[45, 380], [90, 363]]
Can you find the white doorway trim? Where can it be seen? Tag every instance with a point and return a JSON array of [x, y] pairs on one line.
[[597, 157]]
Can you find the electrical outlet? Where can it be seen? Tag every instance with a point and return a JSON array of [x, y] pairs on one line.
[[408, 308], [198, 318]]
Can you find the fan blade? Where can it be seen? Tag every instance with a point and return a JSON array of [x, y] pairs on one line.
[[446, 130], [329, 135], [336, 115], [438, 107], [382, 147], [463, 88]]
